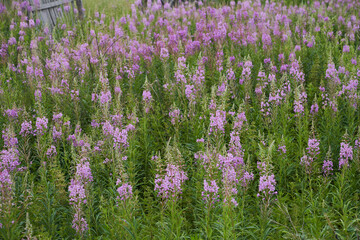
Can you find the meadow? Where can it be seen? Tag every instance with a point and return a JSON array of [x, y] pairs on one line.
[[206, 120]]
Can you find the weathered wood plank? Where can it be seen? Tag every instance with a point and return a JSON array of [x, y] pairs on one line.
[[49, 5], [51, 14], [56, 13], [44, 17], [48, 16]]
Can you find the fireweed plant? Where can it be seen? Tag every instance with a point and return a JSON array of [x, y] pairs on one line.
[[237, 120]]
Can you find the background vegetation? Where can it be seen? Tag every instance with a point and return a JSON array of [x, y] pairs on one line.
[[207, 121]]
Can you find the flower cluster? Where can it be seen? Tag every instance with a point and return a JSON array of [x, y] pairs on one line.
[[41, 125], [26, 128], [78, 194], [327, 167], [267, 182], [217, 121], [175, 116], [210, 194], [125, 190], [9, 166], [169, 185], [346, 154], [267, 185], [230, 180], [313, 150], [147, 98], [299, 102]]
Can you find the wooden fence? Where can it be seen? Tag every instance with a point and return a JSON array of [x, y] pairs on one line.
[[50, 10]]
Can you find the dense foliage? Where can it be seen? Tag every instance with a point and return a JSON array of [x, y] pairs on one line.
[[195, 122]]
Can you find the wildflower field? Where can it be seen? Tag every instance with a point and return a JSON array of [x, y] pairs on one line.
[[203, 120]]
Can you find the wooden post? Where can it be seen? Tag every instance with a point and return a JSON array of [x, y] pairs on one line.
[[80, 8]]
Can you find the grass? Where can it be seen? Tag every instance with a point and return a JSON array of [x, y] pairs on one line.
[[113, 8]]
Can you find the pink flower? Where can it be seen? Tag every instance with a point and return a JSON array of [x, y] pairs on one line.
[[267, 184], [169, 185], [210, 194], [26, 128], [105, 97], [147, 96], [346, 154], [41, 125], [124, 191], [164, 53]]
